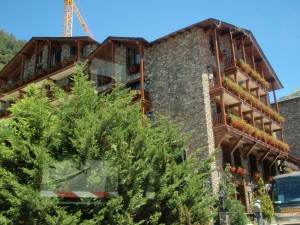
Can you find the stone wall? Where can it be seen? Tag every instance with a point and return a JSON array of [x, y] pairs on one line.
[[45, 56], [290, 109], [178, 84], [29, 66], [65, 51], [88, 49], [121, 70]]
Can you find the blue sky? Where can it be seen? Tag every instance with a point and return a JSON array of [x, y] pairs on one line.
[[274, 23]]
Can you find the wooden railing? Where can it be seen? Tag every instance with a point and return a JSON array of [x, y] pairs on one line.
[[254, 132], [213, 82], [218, 120], [5, 87]]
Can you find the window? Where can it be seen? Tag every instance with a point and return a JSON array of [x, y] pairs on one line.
[[73, 51], [133, 60], [39, 58], [56, 55], [133, 57]]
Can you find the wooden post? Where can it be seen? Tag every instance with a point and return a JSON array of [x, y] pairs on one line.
[[281, 135], [35, 55], [79, 47], [49, 53], [243, 50], [113, 49], [232, 49], [223, 108], [22, 66], [142, 82], [262, 124], [252, 56], [274, 95], [240, 110], [217, 56], [247, 85]]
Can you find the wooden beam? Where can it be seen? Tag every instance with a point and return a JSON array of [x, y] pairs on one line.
[[113, 49], [280, 165], [232, 49], [275, 130], [254, 89], [35, 55], [265, 156], [257, 60], [274, 161], [79, 48], [247, 45], [258, 118], [275, 99], [252, 55], [22, 66], [142, 80], [243, 50], [218, 143], [235, 145], [250, 150], [234, 105], [248, 112], [223, 108], [217, 58]]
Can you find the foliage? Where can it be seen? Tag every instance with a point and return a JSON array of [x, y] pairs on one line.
[[228, 202], [241, 124], [154, 184], [265, 201], [9, 47]]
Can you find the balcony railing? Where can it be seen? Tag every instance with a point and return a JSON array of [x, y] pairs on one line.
[[242, 125], [6, 87], [253, 74], [251, 99]]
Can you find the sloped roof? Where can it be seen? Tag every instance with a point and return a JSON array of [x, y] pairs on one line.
[[15, 63], [292, 95], [224, 28]]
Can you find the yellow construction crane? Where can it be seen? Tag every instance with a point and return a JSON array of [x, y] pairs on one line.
[[69, 8]]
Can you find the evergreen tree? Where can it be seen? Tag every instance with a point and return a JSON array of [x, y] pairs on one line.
[[9, 47], [154, 184]]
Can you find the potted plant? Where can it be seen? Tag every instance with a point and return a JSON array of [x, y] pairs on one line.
[[241, 171], [232, 169]]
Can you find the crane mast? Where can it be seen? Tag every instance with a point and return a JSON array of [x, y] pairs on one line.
[[68, 18], [69, 8]]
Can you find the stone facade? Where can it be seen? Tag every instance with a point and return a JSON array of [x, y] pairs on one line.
[[178, 84], [88, 49], [290, 109]]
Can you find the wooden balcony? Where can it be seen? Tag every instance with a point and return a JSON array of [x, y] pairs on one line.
[[226, 130], [15, 91], [243, 78], [232, 97], [244, 72]]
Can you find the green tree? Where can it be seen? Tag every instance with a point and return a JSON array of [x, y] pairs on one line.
[[265, 201], [9, 47], [154, 184]]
